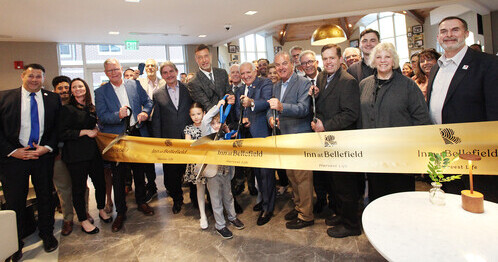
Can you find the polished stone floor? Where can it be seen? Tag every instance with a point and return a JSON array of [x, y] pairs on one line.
[[169, 237]]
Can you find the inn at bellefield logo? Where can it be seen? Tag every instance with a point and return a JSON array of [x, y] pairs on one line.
[[449, 137], [237, 143], [329, 141], [168, 142]]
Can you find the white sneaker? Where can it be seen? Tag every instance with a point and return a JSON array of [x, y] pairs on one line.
[[203, 223]]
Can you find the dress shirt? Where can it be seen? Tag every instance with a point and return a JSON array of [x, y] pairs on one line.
[[26, 115], [174, 94], [123, 99], [151, 86], [284, 87], [441, 84], [207, 74], [235, 87], [246, 90]]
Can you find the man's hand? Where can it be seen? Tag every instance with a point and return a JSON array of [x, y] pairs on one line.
[[123, 112], [272, 122], [231, 99], [40, 150], [318, 126], [246, 122], [246, 101], [142, 117], [313, 89], [24, 153], [275, 104]]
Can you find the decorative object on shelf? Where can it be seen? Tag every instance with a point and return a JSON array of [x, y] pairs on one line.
[[354, 43], [417, 29], [234, 57], [419, 43], [328, 34], [232, 49], [437, 164], [472, 201]]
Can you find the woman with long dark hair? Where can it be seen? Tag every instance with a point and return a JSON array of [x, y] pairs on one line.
[[78, 129]]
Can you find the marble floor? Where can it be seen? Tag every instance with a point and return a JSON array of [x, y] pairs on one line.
[[178, 237]]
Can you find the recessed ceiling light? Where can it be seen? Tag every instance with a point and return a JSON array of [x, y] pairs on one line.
[[350, 25], [250, 12], [404, 12], [113, 32], [133, 1], [202, 35]]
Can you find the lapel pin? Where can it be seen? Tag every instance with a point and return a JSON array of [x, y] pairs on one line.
[[45, 94], [465, 67]]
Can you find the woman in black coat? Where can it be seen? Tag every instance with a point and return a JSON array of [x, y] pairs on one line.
[[78, 129]]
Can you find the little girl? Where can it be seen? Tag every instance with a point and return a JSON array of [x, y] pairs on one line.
[[193, 132]]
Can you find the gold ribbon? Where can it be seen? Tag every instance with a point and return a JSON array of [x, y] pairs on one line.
[[387, 150]]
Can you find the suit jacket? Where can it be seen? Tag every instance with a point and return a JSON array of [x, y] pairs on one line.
[[296, 116], [167, 121], [77, 148], [360, 70], [144, 82], [473, 92], [10, 120], [202, 90], [107, 104], [261, 92], [338, 103]]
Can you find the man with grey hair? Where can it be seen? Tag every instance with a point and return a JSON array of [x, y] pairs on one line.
[[234, 75], [351, 55], [291, 104], [295, 52], [113, 101]]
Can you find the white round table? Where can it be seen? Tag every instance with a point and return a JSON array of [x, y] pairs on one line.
[[407, 227]]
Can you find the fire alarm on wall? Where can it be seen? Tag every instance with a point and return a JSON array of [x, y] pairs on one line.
[[18, 65]]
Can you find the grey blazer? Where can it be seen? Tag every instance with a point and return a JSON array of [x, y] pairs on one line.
[[295, 117], [202, 90]]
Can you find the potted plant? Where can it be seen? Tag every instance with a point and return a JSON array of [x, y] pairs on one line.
[[437, 164]]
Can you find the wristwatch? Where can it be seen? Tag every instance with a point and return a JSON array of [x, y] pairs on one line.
[[252, 103]]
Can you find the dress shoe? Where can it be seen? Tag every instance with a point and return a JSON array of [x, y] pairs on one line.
[[319, 205], [146, 209], [225, 233], [18, 255], [150, 195], [253, 191], [94, 231], [237, 224], [50, 243], [107, 221], [67, 228], [90, 218], [264, 217], [118, 223], [333, 221], [341, 231], [291, 215], [258, 206], [298, 224], [238, 208], [177, 207]]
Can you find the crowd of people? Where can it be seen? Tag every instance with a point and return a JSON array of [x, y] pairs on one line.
[[51, 135]]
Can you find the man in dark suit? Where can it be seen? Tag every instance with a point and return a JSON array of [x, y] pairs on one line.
[[112, 101], [463, 88], [210, 84], [254, 98], [338, 108], [292, 103], [171, 114], [360, 70], [28, 138]]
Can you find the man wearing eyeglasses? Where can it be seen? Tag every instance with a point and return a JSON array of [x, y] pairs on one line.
[[112, 101]]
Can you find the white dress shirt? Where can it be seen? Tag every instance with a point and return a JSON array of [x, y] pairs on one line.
[[174, 94], [441, 83], [26, 115], [123, 99], [207, 74]]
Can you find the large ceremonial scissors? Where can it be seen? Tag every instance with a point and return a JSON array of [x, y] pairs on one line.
[[127, 131]]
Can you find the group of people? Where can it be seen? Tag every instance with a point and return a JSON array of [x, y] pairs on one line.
[[289, 96]]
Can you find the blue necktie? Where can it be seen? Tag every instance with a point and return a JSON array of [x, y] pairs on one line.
[[35, 123]]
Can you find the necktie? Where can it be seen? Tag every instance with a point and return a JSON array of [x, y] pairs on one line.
[[211, 77], [312, 82], [35, 124], [329, 78]]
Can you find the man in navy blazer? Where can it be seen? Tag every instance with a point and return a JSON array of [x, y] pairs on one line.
[[254, 98], [111, 101], [463, 87], [292, 103], [28, 138]]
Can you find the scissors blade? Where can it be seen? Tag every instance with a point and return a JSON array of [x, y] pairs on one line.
[[113, 142], [204, 140]]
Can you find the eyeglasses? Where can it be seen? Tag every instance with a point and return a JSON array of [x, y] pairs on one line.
[[110, 71], [308, 63]]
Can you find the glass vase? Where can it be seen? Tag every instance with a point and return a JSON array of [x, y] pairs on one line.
[[436, 194]]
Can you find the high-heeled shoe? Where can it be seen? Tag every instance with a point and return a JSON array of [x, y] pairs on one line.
[[90, 218], [107, 221], [94, 231]]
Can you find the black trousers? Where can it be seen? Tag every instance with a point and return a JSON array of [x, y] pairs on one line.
[[150, 174], [79, 173], [118, 184], [266, 183], [282, 177], [14, 175], [321, 183], [173, 174], [346, 197], [380, 184]]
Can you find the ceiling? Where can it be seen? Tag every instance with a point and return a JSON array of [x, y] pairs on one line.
[[179, 22]]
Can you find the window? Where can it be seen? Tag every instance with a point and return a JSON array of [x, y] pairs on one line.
[[252, 47], [392, 29], [110, 49]]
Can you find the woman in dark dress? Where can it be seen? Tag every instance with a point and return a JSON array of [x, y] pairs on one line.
[[78, 129]]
